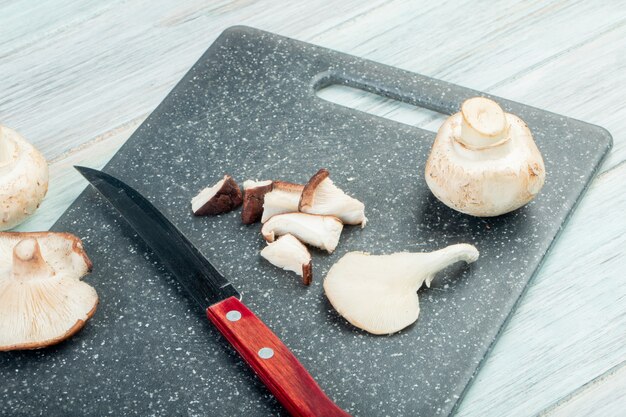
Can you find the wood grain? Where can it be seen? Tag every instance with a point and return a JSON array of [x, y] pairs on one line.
[[604, 396], [78, 77], [278, 368]]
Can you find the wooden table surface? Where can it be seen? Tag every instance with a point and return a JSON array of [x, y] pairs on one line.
[[78, 77]]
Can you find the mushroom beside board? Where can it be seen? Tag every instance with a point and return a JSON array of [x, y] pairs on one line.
[[378, 293], [23, 178], [42, 298], [484, 162]]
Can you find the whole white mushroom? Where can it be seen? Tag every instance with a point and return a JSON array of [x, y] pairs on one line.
[[23, 178], [484, 162]]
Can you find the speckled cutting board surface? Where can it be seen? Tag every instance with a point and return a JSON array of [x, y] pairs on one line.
[[248, 108]]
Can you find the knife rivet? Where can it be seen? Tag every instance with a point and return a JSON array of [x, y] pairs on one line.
[[233, 315], [266, 353]]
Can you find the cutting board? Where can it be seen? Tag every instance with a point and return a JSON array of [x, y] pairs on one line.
[[248, 108]]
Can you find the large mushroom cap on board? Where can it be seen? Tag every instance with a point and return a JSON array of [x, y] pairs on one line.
[[378, 293], [42, 300], [484, 162], [23, 178], [322, 196]]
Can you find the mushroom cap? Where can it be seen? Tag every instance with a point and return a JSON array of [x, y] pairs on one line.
[[378, 293], [42, 300], [222, 197], [253, 199], [371, 297], [23, 179], [290, 254], [485, 181], [284, 198], [319, 231], [322, 196]]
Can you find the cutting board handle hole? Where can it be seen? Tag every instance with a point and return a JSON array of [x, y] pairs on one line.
[[380, 105]]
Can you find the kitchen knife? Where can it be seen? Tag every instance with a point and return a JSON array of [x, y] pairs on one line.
[[269, 358]]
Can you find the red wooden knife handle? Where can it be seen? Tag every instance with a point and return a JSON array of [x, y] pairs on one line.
[[272, 361]]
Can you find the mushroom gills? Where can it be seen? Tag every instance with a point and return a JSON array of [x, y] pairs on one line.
[[42, 300], [378, 293], [222, 197], [322, 196], [290, 254], [316, 230], [284, 198]]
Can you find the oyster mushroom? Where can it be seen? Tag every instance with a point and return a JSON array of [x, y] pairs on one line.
[[321, 196], [224, 196], [484, 162], [290, 254], [283, 198], [23, 178], [319, 231], [378, 293], [253, 199], [42, 299]]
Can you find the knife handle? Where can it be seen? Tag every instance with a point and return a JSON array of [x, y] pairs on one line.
[[272, 361]]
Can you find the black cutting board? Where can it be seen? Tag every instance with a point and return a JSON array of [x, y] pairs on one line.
[[248, 108]]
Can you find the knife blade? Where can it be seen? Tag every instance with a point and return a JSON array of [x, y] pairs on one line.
[[269, 358]]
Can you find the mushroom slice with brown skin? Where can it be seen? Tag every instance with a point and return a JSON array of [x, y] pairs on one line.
[[23, 178], [319, 231], [378, 293], [290, 254], [42, 299], [321, 196], [224, 196], [253, 199], [484, 161], [284, 198]]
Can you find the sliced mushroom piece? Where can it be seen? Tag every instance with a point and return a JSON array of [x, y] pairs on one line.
[[284, 198], [224, 196], [23, 178], [319, 231], [378, 293], [290, 254], [42, 299], [253, 199], [321, 196]]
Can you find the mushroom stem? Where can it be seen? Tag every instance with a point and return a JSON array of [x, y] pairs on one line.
[[438, 260], [483, 124], [28, 262]]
